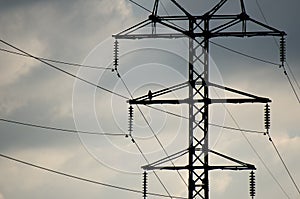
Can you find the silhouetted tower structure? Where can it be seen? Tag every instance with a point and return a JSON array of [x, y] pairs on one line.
[[200, 29]]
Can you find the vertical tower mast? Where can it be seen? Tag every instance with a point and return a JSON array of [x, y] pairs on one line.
[[198, 115], [199, 32]]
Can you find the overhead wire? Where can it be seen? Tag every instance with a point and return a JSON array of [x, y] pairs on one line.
[[116, 63], [211, 124], [258, 59], [295, 80], [219, 45], [57, 61], [284, 70], [139, 5], [61, 70], [43, 59], [96, 67], [70, 74], [256, 153], [151, 129], [292, 73], [165, 10], [266, 21], [284, 164], [244, 54], [59, 129], [83, 179], [231, 128], [265, 61], [268, 62], [291, 84], [146, 159], [253, 148]]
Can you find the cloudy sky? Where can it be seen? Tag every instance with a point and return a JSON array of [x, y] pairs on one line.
[[80, 32]]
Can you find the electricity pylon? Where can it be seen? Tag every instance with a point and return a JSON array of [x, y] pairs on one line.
[[200, 29]]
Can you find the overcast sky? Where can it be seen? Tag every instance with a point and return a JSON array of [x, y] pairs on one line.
[[80, 31]]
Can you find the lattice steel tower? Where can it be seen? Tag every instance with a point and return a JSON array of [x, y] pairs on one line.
[[200, 29]]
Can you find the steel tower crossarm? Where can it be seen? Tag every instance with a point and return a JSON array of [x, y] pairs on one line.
[[199, 30]]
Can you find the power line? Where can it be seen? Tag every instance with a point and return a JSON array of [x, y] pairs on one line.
[[237, 129], [146, 159], [211, 124], [159, 142], [59, 129], [139, 5], [57, 61], [74, 131], [256, 153], [61, 70], [284, 70], [271, 140], [264, 61], [290, 69], [253, 148], [245, 55], [284, 164], [151, 129], [292, 86], [84, 179], [243, 132]]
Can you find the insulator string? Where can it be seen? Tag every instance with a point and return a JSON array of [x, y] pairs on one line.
[[267, 118], [130, 120], [145, 185], [252, 184], [116, 56], [282, 50]]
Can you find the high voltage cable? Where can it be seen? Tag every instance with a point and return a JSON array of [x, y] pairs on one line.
[[61, 70], [268, 62], [146, 159], [265, 19], [253, 148], [219, 45], [284, 164], [75, 131], [60, 129], [297, 83], [56, 61], [159, 142], [292, 86], [284, 70], [151, 129], [244, 54], [257, 154], [85, 179], [271, 140], [109, 68], [211, 124], [136, 144], [258, 59], [139, 5]]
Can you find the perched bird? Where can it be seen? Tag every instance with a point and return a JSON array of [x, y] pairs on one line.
[[150, 95]]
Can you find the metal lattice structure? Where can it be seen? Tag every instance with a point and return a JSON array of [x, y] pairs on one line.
[[200, 30]]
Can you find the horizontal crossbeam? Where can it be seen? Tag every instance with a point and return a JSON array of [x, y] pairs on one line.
[[237, 168], [209, 101]]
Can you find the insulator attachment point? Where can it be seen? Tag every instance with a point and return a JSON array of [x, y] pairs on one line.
[[132, 140]]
